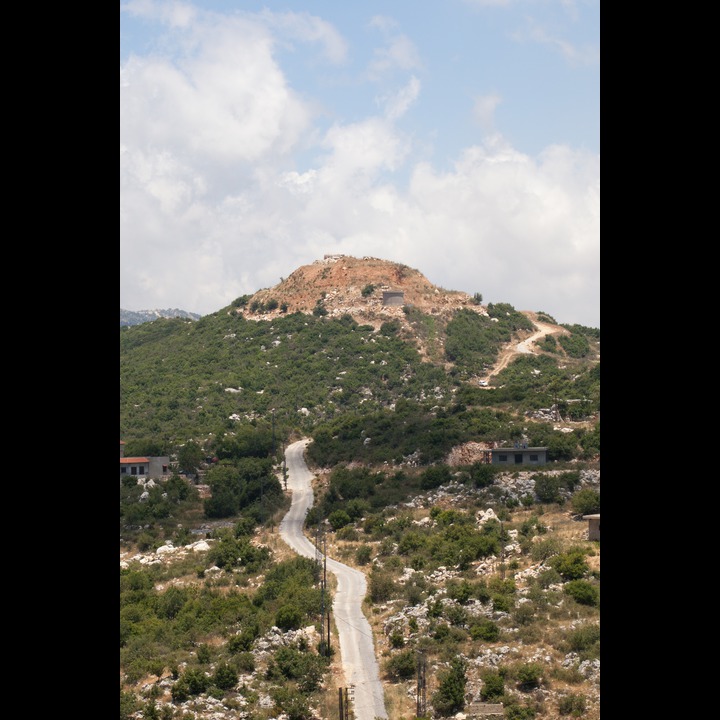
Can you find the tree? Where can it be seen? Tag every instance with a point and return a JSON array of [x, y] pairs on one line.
[[225, 677], [190, 456], [289, 617], [402, 666], [338, 519], [571, 565], [450, 696], [529, 676], [583, 592], [586, 501], [493, 686]]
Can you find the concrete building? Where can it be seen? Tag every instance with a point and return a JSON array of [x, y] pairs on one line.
[[143, 467], [519, 455], [593, 526]]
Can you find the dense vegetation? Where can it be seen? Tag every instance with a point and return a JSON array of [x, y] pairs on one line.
[[205, 381]]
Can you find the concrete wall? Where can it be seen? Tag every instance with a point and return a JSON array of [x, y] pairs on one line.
[[393, 298], [593, 526]]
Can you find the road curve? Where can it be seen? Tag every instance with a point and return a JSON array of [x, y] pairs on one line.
[[356, 641]]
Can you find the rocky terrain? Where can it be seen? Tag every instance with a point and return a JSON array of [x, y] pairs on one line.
[[339, 281]]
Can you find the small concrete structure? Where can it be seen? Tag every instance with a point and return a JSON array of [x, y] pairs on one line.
[[393, 298], [519, 455], [478, 710], [593, 526]]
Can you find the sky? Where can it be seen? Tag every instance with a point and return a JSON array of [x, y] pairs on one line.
[[460, 138]]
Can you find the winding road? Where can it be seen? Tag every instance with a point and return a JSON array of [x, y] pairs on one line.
[[355, 635]]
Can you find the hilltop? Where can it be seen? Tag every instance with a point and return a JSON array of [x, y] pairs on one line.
[[341, 285], [347, 285]]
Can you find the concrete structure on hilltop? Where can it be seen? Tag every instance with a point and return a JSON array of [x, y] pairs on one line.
[[393, 298]]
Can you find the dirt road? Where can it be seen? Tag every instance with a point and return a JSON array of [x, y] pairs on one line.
[[507, 354]]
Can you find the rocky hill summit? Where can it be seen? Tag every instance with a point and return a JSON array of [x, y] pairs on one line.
[[370, 289]]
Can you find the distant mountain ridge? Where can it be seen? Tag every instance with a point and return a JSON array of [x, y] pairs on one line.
[[137, 317]]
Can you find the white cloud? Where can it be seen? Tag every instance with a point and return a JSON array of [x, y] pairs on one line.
[[484, 110], [175, 13], [397, 105], [309, 28], [399, 52], [587, 54]]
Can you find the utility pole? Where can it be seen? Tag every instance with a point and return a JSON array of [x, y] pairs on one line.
[[502, 552], [285, 474], [273, 434], [421, 700], [322, 591], [324, 586]]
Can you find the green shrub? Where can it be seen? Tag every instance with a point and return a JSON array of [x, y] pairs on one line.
[[289, 617], [547, 488], [204, 654], [338, 519], [514, 710], [502, 603], [402, 665], [524, 614], [582, 592], [450, 695], [545, 549], [528, 676], [347, 533], [225, 676], [548, 577], [292, 703], [572, 704], [243, 641], [571, 565], [586, 501], [245, 661], [493, 686], [456, 615], [381, 586], [584, 640], [461, 591], [484, 629], [362, 555], [192, 682], [128, 705]]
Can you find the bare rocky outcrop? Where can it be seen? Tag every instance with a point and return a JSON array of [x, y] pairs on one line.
[[355, 286]]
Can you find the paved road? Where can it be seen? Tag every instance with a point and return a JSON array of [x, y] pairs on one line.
[[356, 641]]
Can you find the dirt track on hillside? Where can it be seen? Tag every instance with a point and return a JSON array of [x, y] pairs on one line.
[[525, 346]]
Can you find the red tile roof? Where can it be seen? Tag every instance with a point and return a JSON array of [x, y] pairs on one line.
[[128, 461]]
